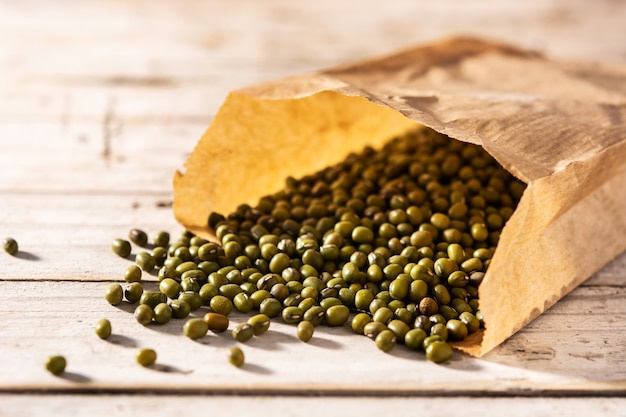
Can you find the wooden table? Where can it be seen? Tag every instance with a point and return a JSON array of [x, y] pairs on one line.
[[101, 101]]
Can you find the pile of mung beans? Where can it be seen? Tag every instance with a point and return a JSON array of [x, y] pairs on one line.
[[393, 242]]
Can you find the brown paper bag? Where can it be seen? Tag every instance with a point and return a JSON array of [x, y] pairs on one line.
[[560, 127]]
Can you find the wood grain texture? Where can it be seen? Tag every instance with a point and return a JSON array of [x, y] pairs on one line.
[[159, 405], [101, 101]]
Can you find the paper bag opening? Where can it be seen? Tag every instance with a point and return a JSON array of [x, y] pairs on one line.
[[558, 127]]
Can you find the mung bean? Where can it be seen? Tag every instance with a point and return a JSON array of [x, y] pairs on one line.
[[138, 237], [144, 314], [133, 292], [217, 323], [260, 323], [114, 294], [132, 274], [103, 328], [10, 246], [243, 332], [236, 356], [162, 313], [121, 247], [195, 328], [305, 330], [146, 357], [438, 352], [56, 364], [385, 340]]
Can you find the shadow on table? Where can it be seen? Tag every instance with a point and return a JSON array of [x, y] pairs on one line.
[[27, 256], [122, 340], [170, 369], [75, 377], [593, 349], [256, 369]]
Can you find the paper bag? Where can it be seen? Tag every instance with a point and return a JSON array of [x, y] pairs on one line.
[[558, 126]]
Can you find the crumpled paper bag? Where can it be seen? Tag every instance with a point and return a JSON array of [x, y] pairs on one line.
[[558, 126]]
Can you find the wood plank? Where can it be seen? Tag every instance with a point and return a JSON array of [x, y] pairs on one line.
[[578, 347], [87, 157], [68, 237], [284, 38], [159, 405], [101, 101]]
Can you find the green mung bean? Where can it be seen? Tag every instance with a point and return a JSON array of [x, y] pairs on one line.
[[161, 239], [305, 330], [236, 356], [170, 287], [403, 314], [243, 332], [399, 329], [145, 261], [260, 323], [56, 364], [385, 340], [383, 315], [103, 328], [144, 314], [162, 313], [152, 298], [194, 300], [11, 247], [373, 328], [438, 352], [217, 323], [292, 315], [138, 237], [133, 292], [431, 339], [180, 309], [190, 280], [146, 357], [242, 303], [448, 312], [305, 303], [271, 307], [195, 328], [257, 298], [132, 274], [439, 329], [114, 294], [328, 302], [359, 321], [470, 320], [160, 255], [414, 338], [279, 291], [166, 271], [457, 330], [121, 247], [315, 315]]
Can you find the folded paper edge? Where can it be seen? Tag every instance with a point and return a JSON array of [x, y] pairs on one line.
[[320, 83]]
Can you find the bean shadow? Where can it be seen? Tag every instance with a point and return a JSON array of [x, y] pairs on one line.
[[463, 362], [27, 256], [169, 369], [75, 377], [323, 342], [122, 340], [256, 369]]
